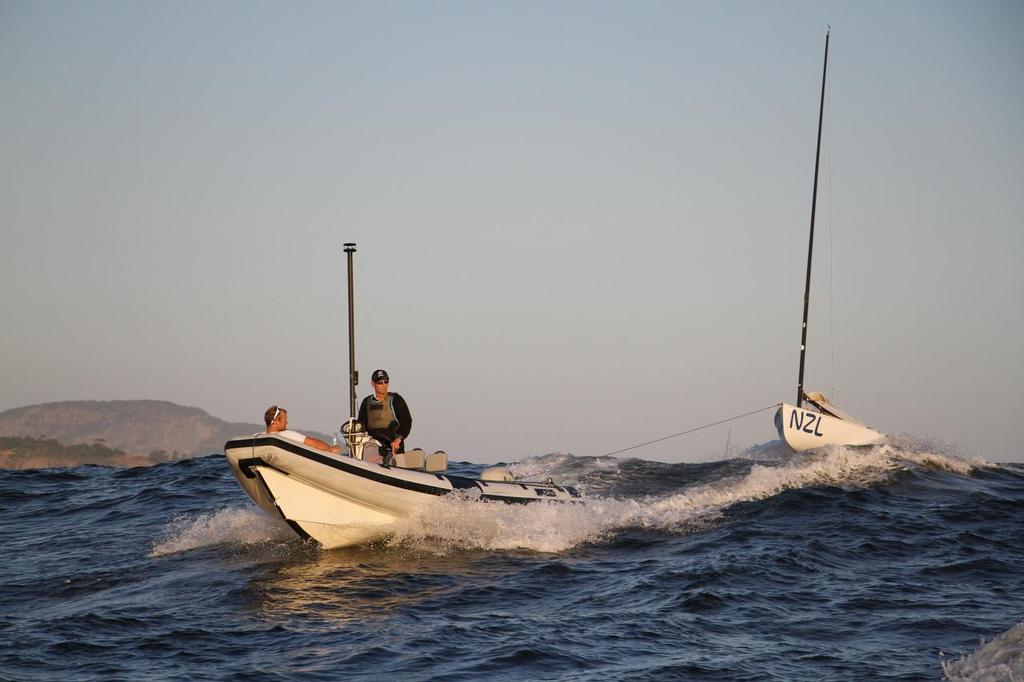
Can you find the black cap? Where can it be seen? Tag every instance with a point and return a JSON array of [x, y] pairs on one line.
[[380, 375]]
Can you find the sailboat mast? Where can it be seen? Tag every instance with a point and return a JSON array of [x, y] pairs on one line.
[[810, 242], [353, 375]]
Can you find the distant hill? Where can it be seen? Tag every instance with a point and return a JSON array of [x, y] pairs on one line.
[[139, 431], [39, 453]]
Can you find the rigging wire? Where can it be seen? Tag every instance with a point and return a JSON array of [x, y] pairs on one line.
[[698, 428], [831, 239], [535, 472]]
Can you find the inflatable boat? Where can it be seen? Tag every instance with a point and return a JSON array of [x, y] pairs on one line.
[[340, 500], [347, 499]]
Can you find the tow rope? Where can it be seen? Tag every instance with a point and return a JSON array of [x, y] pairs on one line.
[[698, 428]]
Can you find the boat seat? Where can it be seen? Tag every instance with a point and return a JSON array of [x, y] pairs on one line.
[[436, 463], [413, 459], [497, 474]]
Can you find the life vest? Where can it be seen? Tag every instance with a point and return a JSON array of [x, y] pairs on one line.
[[380, 415]]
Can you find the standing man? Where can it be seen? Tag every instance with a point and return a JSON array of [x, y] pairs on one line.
[[385, 414]]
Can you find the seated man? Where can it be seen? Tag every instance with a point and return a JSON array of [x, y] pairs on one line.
[[276, 419]]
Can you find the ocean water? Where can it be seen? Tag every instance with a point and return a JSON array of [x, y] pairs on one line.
[[897, 562]]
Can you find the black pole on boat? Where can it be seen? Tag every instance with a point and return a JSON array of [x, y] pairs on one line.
[[810, 242], [353, 374]]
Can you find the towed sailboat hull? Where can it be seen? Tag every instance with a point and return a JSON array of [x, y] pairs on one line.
[[803, 429], [340, 501]]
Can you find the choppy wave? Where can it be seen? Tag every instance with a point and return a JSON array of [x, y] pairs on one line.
[[689, 498], [848, 563], [461, 523]]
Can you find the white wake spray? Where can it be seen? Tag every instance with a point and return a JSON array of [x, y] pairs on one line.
[[937, 454], [243, 525], [460, 522], [998, 660]]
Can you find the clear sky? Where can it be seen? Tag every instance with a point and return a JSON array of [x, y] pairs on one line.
[[581, 225]]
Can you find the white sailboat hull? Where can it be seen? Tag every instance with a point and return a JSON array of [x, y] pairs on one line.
[[804, 429]]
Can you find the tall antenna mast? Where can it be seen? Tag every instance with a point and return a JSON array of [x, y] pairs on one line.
[[810, 243], [353, 374]]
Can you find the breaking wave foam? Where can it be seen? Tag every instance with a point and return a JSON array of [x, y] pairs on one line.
[[460, 522], [232, 525], [1000, 659]]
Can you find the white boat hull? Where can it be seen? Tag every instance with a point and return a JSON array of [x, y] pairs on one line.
[[804, 429], [340, 501], [328, 518]]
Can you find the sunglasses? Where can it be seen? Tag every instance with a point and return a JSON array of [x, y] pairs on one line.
[[382, 381], [277, 413]]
